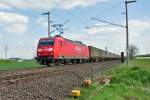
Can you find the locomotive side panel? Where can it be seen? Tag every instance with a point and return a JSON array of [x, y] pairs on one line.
[[67, 49]]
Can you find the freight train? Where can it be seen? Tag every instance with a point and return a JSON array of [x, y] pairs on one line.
[[59, 50]]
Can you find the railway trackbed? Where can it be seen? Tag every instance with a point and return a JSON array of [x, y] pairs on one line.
[[12, 79], [55, 84]]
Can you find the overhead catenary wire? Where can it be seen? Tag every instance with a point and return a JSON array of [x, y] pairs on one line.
[[73, 15], [59, 27], [81, 11], [111, 14], [108, 22], [59, 5], [76, 17], [96, 26], [109, 10], [105, 14], [23, 11], [56, 2]]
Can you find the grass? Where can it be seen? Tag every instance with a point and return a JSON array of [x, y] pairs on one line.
[[128, 83], [142, 57], [18, 65]]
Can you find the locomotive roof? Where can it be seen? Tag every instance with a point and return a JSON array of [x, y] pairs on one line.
[[76, 42]]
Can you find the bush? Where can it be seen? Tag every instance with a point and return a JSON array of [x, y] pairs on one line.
[[5, 61]]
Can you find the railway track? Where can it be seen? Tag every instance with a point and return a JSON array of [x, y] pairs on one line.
[[12, 79], [53, 84], [36, 69]]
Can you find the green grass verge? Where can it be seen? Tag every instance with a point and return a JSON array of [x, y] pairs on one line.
[[18, 65], [128, 83]]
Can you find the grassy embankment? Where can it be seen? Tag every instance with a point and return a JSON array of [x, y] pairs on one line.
[[9, 65], [128, 83]]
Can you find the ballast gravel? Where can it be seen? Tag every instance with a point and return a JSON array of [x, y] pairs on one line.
[[49, 88]]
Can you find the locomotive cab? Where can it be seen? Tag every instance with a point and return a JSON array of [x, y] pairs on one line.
[[45, 50]]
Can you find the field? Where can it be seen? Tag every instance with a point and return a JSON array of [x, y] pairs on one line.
[[9, 65], [128, 83]]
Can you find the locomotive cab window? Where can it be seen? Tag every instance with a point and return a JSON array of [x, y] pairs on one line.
[[46, 42]]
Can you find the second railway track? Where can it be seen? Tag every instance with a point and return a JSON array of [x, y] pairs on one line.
[[12, 79]]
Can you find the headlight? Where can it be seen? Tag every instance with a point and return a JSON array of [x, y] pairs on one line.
[[50, 49], [39, 50]]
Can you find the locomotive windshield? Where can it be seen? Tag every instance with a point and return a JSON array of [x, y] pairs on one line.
[[46, 42]]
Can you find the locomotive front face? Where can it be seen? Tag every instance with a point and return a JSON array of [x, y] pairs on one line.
[[45, 48]]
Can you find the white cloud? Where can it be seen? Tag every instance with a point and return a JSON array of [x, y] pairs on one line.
[[49, 4], [13, 22], [139, 24], [18, 28], [4, 6], [12, 18], [68, 4], [139, 29], [42, 21]]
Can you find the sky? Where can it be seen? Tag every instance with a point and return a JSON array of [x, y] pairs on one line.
[[21, 24]]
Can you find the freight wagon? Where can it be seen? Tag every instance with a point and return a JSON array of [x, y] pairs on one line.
[[96, 54]]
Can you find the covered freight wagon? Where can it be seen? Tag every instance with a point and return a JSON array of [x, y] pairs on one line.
[[96, 54]]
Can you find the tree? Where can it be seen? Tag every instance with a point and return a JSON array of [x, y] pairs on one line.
[[133, 51]]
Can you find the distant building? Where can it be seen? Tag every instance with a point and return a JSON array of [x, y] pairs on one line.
[[15, 59]]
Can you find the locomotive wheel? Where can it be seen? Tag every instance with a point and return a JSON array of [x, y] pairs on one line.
[[64, 62], [78, 61], [83, 61], [57, 62], [42, 62], [72, 61], [48, 64]]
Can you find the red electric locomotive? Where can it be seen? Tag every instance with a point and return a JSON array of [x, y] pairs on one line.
[[61, 50]]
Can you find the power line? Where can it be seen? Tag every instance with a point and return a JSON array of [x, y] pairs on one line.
[[73, 15], [105, 14], [9, 4], [81, 11], [112, 14], [59, 27], [110, 9], [108, 22], [35, 16], [88, 27]]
